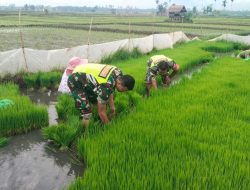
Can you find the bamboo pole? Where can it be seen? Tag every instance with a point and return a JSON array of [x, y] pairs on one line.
[[89, 34], [21, 41], [129, 32]]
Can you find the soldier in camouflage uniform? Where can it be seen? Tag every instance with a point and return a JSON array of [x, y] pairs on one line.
[[95, 83], [163, 66]]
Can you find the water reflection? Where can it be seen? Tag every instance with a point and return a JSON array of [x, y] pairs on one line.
[[31, 163], [28, 163]]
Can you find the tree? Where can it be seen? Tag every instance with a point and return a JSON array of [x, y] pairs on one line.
[[195, 11], [26, 7], [161, 7], [46, 11], [224, 3]]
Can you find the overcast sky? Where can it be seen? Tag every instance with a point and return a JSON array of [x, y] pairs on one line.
[[237, 4]]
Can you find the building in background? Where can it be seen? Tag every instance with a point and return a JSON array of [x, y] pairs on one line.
[[177, 12]]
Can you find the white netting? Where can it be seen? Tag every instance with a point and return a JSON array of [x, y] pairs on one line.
[[31, 60], [233, 38]]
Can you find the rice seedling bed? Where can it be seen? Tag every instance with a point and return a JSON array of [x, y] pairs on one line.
[[136, 61], [191, 136], [23, 115]]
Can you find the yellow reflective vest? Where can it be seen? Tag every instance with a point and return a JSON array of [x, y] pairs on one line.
[[154, 60], [101, 72]]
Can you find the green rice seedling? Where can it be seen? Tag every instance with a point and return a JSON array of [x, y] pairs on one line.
[[32, 80], [23, 115], [193, 135], [44, 79], [121, 55], [66, 107], [3, 141], [8, 89], [49, 80], [64, 134], [223, 46], [136, 53], [134, 98], [122, 103], [55, 79]]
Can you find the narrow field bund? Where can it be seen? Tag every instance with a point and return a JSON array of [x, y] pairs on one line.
[[191, 136]]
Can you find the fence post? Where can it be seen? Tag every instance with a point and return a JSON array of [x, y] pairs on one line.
[[21, 41], [129, 33], [90, 26]]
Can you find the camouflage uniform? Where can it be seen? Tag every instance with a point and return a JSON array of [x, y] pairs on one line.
[[85, 90], [153, 71]]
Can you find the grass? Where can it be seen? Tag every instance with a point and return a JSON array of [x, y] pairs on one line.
[[191, 136], [23, 115], [3, 141]]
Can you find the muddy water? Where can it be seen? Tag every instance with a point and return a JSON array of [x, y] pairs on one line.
[[31, 163], [188, 73]]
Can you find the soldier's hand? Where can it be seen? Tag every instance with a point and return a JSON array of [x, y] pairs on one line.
[[112, 111], [168, 80]]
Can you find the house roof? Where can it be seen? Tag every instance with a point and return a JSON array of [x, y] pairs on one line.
[[177, 8]]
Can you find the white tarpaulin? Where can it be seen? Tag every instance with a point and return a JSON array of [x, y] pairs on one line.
[[162, 41], [97, 51], [145, 44], [233, 38], [31, 60]]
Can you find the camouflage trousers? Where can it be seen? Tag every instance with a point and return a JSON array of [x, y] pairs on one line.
[[82, 92]]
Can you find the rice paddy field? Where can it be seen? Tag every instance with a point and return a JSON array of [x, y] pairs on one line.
[[191, 135], [57, 31]]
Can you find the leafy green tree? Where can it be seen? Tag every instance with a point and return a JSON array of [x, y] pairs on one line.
[[224, 3]]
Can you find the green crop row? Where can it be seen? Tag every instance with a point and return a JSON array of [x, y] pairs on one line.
[[22, 116], [38, 80], [191, 136]]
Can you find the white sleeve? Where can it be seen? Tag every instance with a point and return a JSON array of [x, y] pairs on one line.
[[63, 87]]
